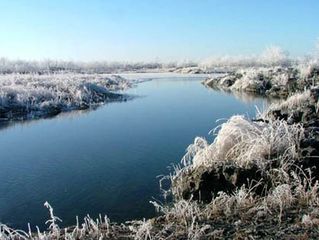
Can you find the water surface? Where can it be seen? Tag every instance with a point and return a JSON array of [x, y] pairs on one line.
[[106, 161]]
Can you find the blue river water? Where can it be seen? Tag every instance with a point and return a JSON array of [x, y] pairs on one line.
[[107, 160]]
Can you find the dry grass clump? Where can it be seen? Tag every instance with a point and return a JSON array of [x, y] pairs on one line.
[[244, 142]]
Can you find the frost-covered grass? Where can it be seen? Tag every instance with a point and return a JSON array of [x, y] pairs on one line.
[[259, 76], [295, 101], [225, 215], [274, 81], [237, 214], [244, 142], [34, 95], [306, 68], [298, 101], [99, 228]]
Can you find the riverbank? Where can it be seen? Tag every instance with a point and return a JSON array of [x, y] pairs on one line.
[[41, 95], [258, 179], [272, 81], [32, 96]]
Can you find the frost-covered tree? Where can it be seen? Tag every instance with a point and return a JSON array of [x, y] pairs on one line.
[[274, 56]]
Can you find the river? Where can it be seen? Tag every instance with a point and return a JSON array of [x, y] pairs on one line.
[[107, 160]]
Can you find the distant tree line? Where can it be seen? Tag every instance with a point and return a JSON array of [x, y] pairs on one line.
[[52, 66], [271, 56]]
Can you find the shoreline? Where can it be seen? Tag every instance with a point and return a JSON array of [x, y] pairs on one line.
[[276, 82], [259, 170], [51, 94], [34, 96]]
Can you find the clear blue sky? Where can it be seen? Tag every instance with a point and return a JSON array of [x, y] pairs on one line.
[[147, 30]]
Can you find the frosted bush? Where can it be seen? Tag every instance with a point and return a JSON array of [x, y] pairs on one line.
[[257, 78], [271, 56], [274, 56], [249, 79], [229, 61]]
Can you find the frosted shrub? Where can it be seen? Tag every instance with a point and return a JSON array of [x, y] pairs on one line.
[[229, 61], [274, 56], [249, 79], [271, 56]]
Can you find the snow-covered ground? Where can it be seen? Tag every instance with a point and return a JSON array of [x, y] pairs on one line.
[[25, 96]]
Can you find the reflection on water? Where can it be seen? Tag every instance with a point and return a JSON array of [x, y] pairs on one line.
[[247, 97], [30, 122], [106, 161]]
